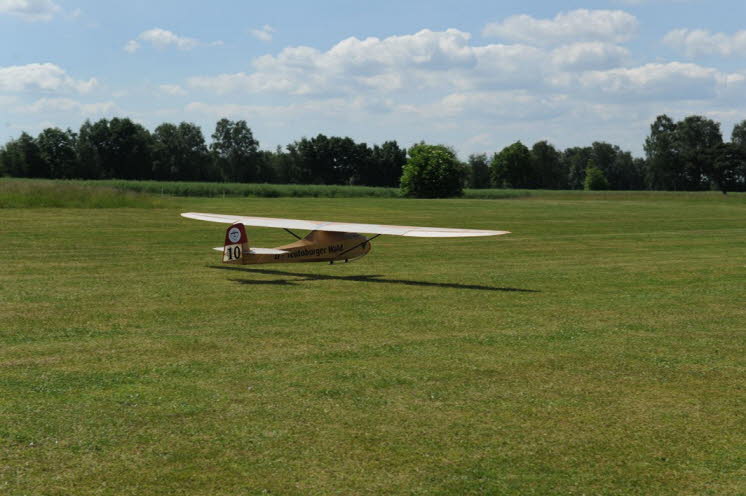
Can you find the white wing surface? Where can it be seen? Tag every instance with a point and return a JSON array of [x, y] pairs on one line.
[[313, 225]]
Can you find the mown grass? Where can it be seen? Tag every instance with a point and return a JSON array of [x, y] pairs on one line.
[[599, 349]]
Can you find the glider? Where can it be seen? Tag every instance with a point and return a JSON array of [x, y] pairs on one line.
[[326, 242]]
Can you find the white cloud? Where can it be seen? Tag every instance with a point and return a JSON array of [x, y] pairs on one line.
[[515, 105], [41, 77], [427, 65], [589, 56], [30, 10], [671, 81], [50, 105], [332, 107], [696, 42], [172, 89], [427, 59], [131, 46], [7, 100], [163, 38], [264, 33], [613, 26]]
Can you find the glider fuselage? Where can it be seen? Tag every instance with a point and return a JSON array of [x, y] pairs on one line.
[[317, 246]]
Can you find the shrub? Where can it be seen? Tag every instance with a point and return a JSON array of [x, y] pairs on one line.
[[594, 178], [432, 171]]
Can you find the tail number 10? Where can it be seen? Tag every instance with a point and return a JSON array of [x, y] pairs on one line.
[[231, 253]]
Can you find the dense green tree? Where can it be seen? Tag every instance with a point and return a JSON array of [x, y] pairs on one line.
[[479, 171], [618, 166], [574, 161], [131, 150], [13, 159], [738, 135], [236, 151], [180, 153], [167, 152], [728, 167], [547, 166], [117, 148], [696, 138], [637, 178], [604, 156], [92, 143], [330, 160], [512, 167], [432, 171], [385, 165], [33, 164], [342, 158], [664, 165], [283, 167], [58, 149], [594, 178], [305, 161]]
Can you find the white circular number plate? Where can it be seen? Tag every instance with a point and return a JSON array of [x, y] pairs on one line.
[[234, 234]]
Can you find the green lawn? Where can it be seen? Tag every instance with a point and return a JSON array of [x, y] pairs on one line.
[[599, 349]]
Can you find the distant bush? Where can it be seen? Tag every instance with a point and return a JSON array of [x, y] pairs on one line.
[[21, 193], [594, 178], [432, 171]]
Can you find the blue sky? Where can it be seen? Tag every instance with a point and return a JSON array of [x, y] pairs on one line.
[[475, 75]]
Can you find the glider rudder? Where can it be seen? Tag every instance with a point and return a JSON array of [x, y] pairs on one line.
[[236, 246]]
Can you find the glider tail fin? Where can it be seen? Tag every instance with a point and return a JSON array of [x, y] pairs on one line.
[[236, 246]]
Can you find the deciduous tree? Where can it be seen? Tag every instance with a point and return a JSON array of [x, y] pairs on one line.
[[58, 149], [432, 171], [594, 178], [547, 166], [512, 168], [236, 151]]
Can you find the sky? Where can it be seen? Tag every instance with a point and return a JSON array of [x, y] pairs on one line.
[[474, 75]]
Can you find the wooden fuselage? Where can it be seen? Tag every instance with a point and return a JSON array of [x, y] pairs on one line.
[[317, 246]]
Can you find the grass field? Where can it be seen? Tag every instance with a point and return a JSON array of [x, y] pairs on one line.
[[227, 190], [599, 349]]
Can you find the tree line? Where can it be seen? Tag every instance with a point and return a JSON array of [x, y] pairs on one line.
[[686, 155], [689, 155], [122, 149]]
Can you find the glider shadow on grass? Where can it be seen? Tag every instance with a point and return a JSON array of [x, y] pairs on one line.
[[362, 278]]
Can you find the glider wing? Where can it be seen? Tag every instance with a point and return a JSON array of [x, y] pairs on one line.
[[312, 225]]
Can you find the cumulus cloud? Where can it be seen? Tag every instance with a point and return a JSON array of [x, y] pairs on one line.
[[427, 59], [330, 107], [163, 38], [513, 105], [264, 33], [41, 77], [588, 56], [50, 105], [30, 10], [670, 81], [696, 42], [131, 46], [431, 64], [612, 26], [7, 100], [172, 89]]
